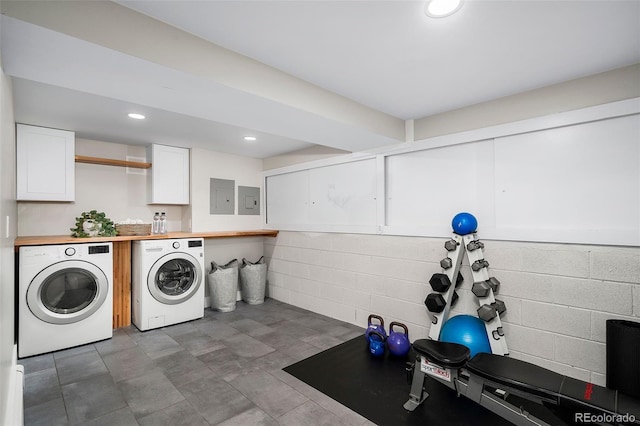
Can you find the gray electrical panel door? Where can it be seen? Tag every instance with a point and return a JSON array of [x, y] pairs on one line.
[[222, 196], [248, 200]]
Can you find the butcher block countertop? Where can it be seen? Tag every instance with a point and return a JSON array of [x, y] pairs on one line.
[[66, 239]]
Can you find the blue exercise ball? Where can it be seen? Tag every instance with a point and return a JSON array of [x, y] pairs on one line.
[[464, 223], [466, 330]]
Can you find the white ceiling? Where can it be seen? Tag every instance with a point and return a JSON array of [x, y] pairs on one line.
[[92, 117], [390, 56], [385, 55]]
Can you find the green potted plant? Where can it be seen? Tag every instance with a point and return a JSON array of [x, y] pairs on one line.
[[93, 224]]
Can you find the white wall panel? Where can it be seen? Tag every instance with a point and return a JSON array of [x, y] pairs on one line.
[[343, 194], [335, 195], [288, 198], [427, 188], [571, 180], [575, 178]]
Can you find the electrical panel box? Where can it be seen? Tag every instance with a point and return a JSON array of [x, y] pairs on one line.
[[248, 200], [222, 197]]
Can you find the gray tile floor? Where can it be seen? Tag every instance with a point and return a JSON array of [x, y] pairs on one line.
[[223, 369]]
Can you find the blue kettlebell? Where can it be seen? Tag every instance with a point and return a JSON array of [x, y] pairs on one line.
[[375, 327], [376, 343], [398, 343]]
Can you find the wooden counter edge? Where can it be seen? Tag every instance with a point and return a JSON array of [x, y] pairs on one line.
[[225, 234], [65, 239]]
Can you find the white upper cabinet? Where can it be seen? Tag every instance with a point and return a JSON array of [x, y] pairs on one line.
[[45, 164], [168, 182]]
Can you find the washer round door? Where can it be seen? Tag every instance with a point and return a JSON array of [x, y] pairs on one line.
[[174, 278], [67, 292]]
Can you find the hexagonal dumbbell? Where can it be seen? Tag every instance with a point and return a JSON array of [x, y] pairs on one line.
[[481, 289], [451, 245], [440, 282], [479, 264], [459, 280], [435, 302], [474, 245], [454, 298], [494, 284], [499, 306], [446, 263], [487, 312]]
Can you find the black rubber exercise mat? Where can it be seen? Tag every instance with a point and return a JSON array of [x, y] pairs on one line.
[[377, 389]]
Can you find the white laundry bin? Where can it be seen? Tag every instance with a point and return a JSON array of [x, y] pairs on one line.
[[223, 286], [253, 281]]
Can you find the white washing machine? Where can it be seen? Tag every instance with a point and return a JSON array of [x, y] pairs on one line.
[[167, 282], [65, 296]]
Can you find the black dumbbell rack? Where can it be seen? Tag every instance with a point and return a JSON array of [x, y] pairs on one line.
[[484, 286]]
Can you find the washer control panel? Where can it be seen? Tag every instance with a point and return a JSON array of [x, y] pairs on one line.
[[101, 249]]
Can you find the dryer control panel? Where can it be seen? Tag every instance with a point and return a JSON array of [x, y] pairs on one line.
[[101, 249]]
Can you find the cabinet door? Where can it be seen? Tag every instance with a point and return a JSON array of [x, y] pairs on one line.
[[168, 181], [45, 164]]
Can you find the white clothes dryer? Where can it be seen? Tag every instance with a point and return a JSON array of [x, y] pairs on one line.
[[167, 282], [65, 296]]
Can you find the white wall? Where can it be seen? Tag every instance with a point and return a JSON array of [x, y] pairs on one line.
[[558, 296], [109, 189], [313, 153], [122, 194], [223, 250], [296, 106], [606, 87], [571, 177], [245, 171], [7, 275]]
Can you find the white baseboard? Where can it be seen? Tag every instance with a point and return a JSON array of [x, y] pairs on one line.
[[14, 413]]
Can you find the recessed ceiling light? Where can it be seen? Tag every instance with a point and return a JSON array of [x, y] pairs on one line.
[[442, 8], [136, 116], [249, 138]]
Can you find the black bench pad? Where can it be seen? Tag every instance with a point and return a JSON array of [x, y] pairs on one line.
[[445, 354], [518, 374], [567, 393]]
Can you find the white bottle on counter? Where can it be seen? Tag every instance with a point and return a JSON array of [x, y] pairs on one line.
[[155, 227], [163, 223]]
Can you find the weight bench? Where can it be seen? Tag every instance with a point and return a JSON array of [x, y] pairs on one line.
[[492, 381]]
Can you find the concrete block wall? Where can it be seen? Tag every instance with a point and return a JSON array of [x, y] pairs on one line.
[[558, 296]]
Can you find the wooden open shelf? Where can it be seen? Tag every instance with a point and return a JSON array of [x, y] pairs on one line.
[[111, 162]]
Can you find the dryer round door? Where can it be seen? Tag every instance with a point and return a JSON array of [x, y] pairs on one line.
[[174, 278], [67, 292]]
